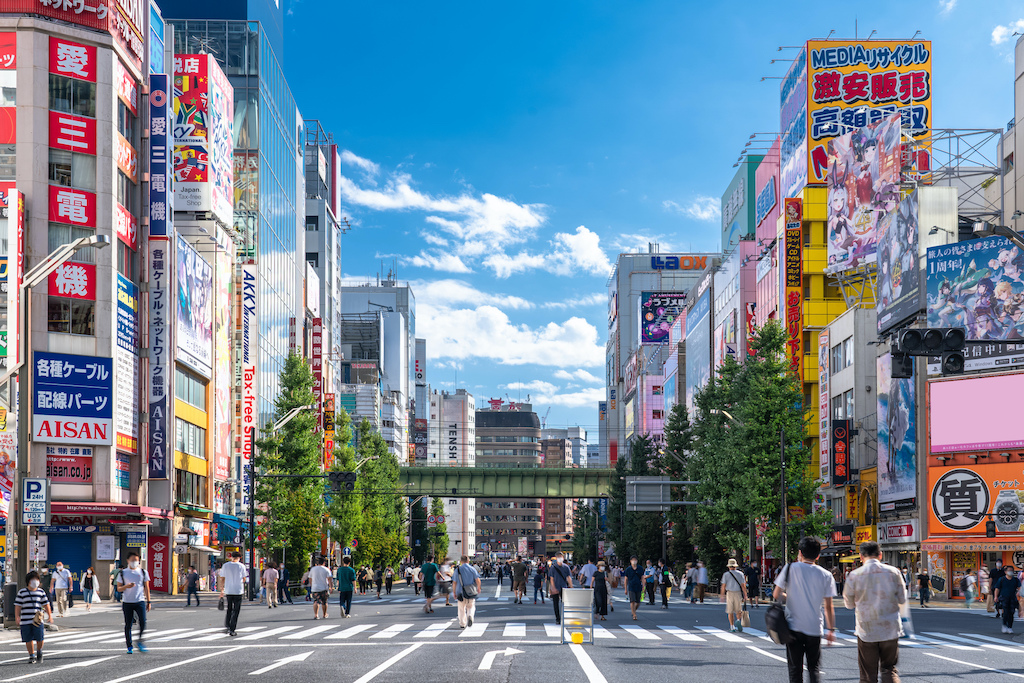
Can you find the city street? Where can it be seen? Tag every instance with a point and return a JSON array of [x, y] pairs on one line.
[[393, 640]]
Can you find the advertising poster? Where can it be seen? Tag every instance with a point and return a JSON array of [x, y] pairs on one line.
[[794, 286], [161, 338], [976, 413], [73, 401], [224, 383], [69, 464], [840, 452], [864, 185], [249, 413], [824, 404], [203, 153], [899, 276], [793, 118], [698, 347], [127, 366], [317, 361], [658, 310], [195, 309], [979, 285], [8, 464], [9, 63], [962, 498], [159, 557], [897, 440], [122, 471], [14, 270], [853, 84]]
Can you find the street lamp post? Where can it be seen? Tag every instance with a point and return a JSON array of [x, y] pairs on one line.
[[252, 491], [36, 276]]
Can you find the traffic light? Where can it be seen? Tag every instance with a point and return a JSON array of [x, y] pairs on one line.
[[946, 342], [990, 529], [342, 481]]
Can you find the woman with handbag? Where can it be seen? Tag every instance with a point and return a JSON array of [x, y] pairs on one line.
[[29, 606], [467, 587]]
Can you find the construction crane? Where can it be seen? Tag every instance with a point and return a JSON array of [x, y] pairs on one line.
[[544, 420]]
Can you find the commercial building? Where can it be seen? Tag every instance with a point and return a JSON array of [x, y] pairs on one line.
[[577, 440], [452, 442], [557, 511], [508, 435]]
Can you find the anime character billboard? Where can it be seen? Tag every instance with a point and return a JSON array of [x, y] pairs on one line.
[[195, 306], [864, 175], [897, 439], [658, 310], [899, 273]]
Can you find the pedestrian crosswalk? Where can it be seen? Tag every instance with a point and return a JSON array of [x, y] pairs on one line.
[[699, 636]]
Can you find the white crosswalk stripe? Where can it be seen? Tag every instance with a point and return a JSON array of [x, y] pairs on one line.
[[514, 631], [953, 646], [120, 638], [602, 632], [391, 631], [999, 641], [552, 630], [1002, 647], [187, 634], [309, 632], [681, 634], [272, 632], [351, 631], [78, 637], [434, 630], [474, 631], [724, 635], [218, 636], [639, 632]]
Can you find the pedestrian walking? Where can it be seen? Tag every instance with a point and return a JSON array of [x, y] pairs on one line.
[[346, 586], [664, 582], [417, 584], [133, 582], [559, 578], [923, 586], [875, 592], [599, 582], [733, 593], [839, 577], [808, 590], [113, 583], [650, 581], [634, 584], [30, 606], [389, 579], [753, 584], [691, 583], [305, 583], [428, 577], [191, 586], [320, 584], [283, 592], [467, 588], [88, 588], [231, 579], [378, 580], [519, 571], [270, 578], [702, 581], [971, 588], [408, 576], [1006, 596], [539, 579], [61, 587]]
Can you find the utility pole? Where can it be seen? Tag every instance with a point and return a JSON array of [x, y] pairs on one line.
[[782, 477]]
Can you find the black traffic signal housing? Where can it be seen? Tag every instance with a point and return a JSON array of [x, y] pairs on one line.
[[990, 529], [342, 481], [945, 342], [902, 366]]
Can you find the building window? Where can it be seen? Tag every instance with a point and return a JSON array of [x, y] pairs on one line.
[[72, 96], [841, 355], [190, 488], [72, 169], [190, 439], [126, 195], [71, 316], [313, 259], [64, 234], [126, 122], [190, 388], [127, 261], [313, 223]]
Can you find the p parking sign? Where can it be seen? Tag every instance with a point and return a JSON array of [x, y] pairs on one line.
[[35, 496]]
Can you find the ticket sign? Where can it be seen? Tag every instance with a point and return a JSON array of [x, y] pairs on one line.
[[35, 509]]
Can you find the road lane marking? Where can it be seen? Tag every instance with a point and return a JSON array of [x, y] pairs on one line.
[[76, 665], [976, 666], [602, 632], [120, 638], [140, 674], [766, 654], [553, 630], [593, 674], [281, 662], [434, 630], [309, 632], [188, 634], [391, 631], [998, 641], [641, 633], [514, 631], [719, 633], [954, 646], [272, 632], [681, 634], [351, 631], [474, 631], [218, 636], [372, 673], [79, 637]]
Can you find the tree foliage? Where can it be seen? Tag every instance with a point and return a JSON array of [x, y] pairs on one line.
[[439, 533], [678, 447], [584, 533], [635, 533]]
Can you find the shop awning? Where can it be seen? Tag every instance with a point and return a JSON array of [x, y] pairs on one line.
[[228, 529], [203, 549], [94, 508]]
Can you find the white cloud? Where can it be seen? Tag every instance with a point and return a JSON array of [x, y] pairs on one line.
[[438, 261], [581, 375], [544, 393], [701, 208], [570, 253], [597, 299], [365, 165], [486, 332], [1001, 34], [946, 6], [446, 293]]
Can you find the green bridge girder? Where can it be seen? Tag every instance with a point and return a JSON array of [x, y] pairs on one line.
[[487, 482]]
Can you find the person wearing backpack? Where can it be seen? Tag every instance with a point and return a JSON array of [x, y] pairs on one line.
[[559, 578], [467, 587], [733, 594], [807, 588]]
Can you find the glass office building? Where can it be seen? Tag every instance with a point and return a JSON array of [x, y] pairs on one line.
[[269, 176]]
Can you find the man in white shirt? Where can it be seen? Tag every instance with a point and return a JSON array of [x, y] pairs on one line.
[[231, 582], [807, 588], [61, 586], [702, 580], [320, 581], [876, 591], [133, 583]]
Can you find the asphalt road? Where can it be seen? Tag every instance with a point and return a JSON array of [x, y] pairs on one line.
[[393, 640]]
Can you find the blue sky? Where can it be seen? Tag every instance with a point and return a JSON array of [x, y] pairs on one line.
[[502, 154]]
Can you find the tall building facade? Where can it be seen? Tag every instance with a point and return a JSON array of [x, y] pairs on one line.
[[508, 436], [451, 436]]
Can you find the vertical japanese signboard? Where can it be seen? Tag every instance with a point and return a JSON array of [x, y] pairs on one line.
[[224, 378], [9, 64], [73, 399], [126, 361], [161, 340], [852, 84], [317, 348], [160, 143], [248, 350], [794, 285], [840, 452], [15, 267], [824, 410], [159, 563], [328, 431]]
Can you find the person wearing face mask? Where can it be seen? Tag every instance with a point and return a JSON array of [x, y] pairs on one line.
[[88, 588], [634, 584], [560, 577], [61, 587], [133, 582], [29, 606]]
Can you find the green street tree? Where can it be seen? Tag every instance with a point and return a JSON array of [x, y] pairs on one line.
[[439, 533], [418, 526], [382, 536], [635, 533], [675, 456], [290, 510], [584, 533], [345, 518]]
